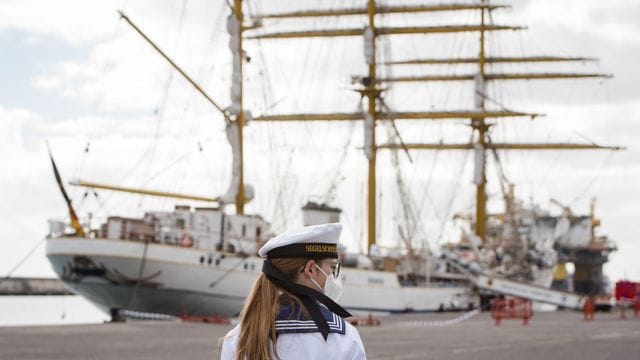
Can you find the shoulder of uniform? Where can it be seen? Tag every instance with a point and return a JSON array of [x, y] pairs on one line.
[[229, 344], [292, 320], [233, 332]]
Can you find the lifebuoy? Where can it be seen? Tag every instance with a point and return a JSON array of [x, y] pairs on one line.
[[186, 239]]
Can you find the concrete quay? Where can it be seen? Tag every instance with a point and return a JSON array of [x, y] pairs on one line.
[[32, 286], [559, 335]]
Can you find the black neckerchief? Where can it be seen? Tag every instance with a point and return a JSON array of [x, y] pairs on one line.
[[307, 296]]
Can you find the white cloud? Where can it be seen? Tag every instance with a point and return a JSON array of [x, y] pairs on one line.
[[12, 148], [33, 40], [24, 195], [614, 21], [77, 22]]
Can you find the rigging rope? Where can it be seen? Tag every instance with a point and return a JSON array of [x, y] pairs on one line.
[[160, 108], [97, 103], [586, 189], [426, 195], [408, 212], [337, 178], [410, 217], [503, 178], [25, 258], [143, 262], [453, 197]]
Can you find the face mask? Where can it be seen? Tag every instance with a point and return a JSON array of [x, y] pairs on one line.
[[332, 286]]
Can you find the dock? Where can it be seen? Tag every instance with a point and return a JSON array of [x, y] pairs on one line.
[[32, 286], [556, 335]]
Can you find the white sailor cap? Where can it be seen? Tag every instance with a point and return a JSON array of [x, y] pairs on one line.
[[315, 242]]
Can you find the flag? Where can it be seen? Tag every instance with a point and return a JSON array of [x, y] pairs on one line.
[[75, 223]]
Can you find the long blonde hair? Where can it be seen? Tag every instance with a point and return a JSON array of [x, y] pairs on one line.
[[258, 316]]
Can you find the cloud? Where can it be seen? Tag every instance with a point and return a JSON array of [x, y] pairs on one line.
[[77, 22], [614, 21], [121, 72], [22, 186]]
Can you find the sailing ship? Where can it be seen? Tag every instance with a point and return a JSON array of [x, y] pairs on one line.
[[202, 260]]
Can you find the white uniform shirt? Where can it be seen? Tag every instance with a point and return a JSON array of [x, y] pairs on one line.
[[307, 346]]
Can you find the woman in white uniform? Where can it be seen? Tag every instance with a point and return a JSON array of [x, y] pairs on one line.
[[290, 312]]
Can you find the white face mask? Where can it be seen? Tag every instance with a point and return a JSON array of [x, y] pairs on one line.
[[332, 286]]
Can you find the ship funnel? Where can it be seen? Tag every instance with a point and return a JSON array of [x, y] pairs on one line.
[[315, 214]]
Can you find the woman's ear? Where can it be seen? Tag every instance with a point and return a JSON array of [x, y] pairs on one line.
[[309, 268]]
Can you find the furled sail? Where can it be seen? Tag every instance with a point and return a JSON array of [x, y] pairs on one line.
[[233, 27]]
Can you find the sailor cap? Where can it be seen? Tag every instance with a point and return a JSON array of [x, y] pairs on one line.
[[315, 242]]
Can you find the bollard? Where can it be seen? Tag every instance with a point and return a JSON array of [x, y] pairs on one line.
[[116, 315], [368, 321], [214, 319], [588, 309]]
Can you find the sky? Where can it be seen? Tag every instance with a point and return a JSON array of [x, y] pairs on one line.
[[77, 77]]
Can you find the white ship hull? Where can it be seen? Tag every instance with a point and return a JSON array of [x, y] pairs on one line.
[[175, 280]]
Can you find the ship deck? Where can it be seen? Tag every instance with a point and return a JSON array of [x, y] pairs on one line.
[[560, 335]]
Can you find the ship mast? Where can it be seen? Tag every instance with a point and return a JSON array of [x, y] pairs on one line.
[[478, 116], [234, 115], [370, 82], [237, 98], [372, 92], [478, 123], [480, 126]]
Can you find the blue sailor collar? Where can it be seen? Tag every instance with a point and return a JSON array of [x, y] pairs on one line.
[[292, 320]]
